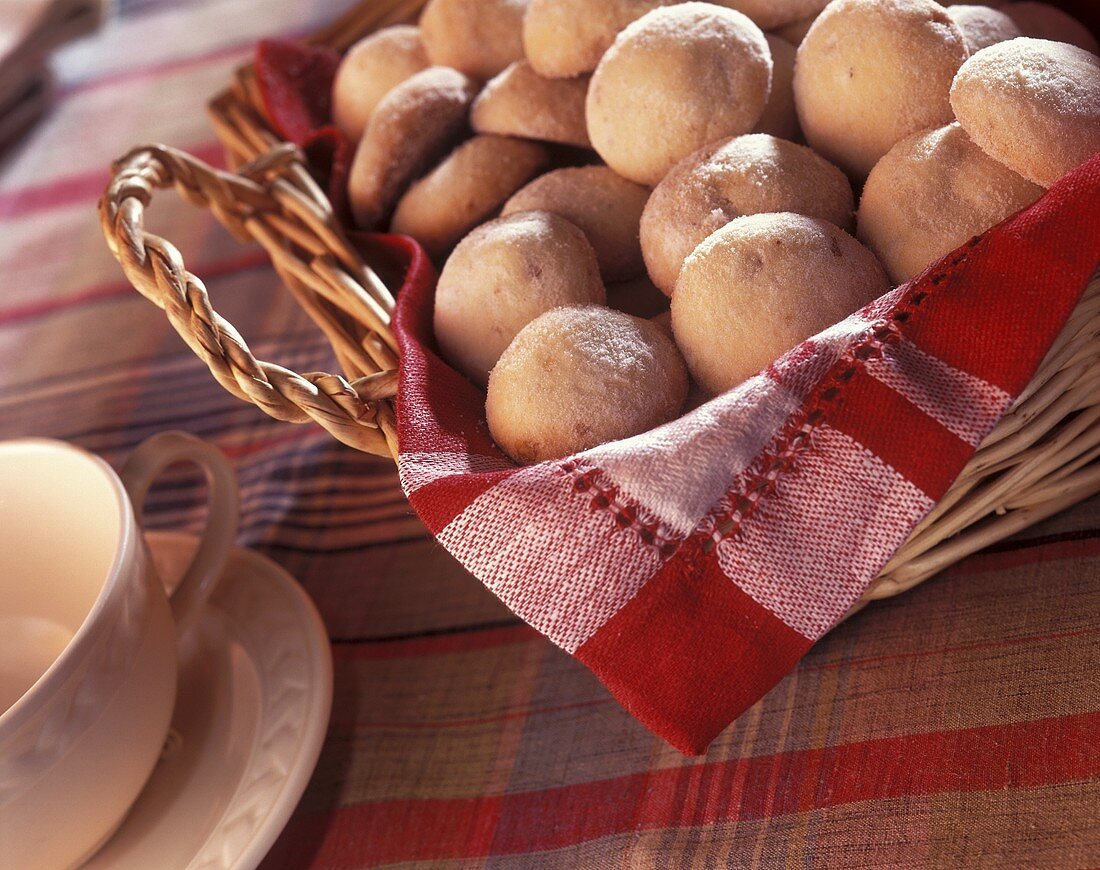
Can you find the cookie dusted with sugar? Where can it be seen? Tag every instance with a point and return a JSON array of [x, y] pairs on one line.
[[564, 38], [604, 206], [740, 176], [871, 72], [477, 37], [983, 26], [501, 277], [520, 102], [373, 67], [930, 194], [760, 286], [415, 124], [676, 79], [582, 376], [466, 189], [1033, 105]]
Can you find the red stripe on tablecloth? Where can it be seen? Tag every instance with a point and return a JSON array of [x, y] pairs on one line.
[[981, 333], [648, 653], [945, 650], [240, 50], [1019, 755], [80, 187], [100, 292], [416, 647], [921, 449]]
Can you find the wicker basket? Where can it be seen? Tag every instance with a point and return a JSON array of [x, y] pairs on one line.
[[1042, 457]]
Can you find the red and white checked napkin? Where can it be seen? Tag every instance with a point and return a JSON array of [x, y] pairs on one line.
[[691, 567]]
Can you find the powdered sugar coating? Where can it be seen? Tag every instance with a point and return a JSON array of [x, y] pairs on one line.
[[780, 117], [678, 78], [502, 276], [413, 126], [871, 72], [465, 189], [983, 26], [371, 69], [761, 285], [931, 193], [520, 102], [1043, 21], [744, 175], [578, 377], [1032, 104], [606, 207], [477, 37], [564, 38]]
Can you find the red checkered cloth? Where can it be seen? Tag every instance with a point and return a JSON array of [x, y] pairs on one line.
[[691, 567]]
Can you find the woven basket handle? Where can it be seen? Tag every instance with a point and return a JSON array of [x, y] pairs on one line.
[[273, 201]]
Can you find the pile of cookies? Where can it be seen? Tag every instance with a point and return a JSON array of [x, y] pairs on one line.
[[634, 200]]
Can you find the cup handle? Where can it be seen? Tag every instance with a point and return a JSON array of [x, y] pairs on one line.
[[143, 467]]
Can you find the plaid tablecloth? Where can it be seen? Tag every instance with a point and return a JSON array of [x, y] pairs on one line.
[[954, 726]]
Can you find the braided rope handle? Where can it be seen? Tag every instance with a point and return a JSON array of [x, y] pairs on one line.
[[273, 201]]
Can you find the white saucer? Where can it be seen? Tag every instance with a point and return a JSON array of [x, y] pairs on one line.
[[255, 691]]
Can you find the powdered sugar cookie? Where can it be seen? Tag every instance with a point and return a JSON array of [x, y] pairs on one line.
[[465, 189], [501, 277], [983, 26], [761, 285], [578, 377], [1033, 105], [520, 102], [745, 175], [606, 207], [677, 78], [931, 193], [370, 70], [564, 38], [870, 72], [477, 37], [414, 124]]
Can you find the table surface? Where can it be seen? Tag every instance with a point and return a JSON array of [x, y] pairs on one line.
[[953, 726]]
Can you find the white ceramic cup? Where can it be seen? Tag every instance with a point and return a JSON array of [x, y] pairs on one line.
[[88, 637]]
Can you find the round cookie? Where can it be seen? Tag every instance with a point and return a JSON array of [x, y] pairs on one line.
[[371, 69], [581, 376], [1043, 21], [760, 286], [745, 175], [780, 117], [414, 124], [931, 193], [477, 37], [564, 38], [520, 102], [676, 79], [606, 207], [501, 277], [982, 26], [870, 72], [1033, 105], [465, 189]]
